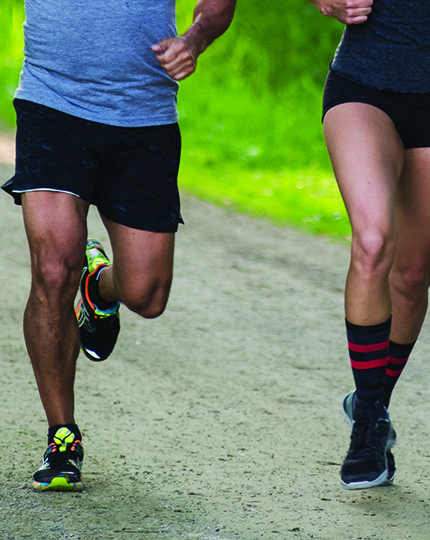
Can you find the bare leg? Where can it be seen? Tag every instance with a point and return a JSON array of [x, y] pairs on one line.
[[367, 157], [56, 230], [410, 275], [141, 273]]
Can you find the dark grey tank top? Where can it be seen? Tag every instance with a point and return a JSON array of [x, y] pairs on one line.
[[391, 50]]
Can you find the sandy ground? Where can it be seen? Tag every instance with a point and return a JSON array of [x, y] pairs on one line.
[[221, 419]]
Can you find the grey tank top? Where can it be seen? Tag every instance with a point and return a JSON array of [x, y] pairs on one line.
[[93, 59], [391, 50]]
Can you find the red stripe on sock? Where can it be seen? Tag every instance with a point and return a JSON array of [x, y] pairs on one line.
[[397, 360], [391, 373], [368, 348], [380, 362]]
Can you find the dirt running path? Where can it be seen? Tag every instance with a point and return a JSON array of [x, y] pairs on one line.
[[220, 420]]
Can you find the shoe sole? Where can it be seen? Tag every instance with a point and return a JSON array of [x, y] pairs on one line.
[[59, 483], [382, 480], [91, 355], [81, 311]]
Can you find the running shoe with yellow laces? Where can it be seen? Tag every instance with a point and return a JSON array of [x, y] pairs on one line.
[[98, 328], [62, 464]]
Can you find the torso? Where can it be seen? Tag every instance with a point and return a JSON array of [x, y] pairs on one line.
[[391, 51], [93, 59]]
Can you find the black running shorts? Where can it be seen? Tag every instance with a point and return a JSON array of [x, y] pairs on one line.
[[130, 174], [410, 113]]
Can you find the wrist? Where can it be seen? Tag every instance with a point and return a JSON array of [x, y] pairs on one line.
[[194, 40]]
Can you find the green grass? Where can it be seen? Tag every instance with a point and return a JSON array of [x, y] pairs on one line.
[[250, 116]]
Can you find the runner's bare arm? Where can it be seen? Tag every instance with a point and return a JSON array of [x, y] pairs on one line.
[[345, 11], [178, 55]]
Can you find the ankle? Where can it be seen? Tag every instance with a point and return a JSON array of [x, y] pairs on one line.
[[373, 408]]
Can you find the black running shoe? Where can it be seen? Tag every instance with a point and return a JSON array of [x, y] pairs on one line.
[[348, 410], [62, 464], [366, 464], [98, 329]]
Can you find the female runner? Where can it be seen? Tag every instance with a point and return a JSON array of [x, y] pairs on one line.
[[376, 117]]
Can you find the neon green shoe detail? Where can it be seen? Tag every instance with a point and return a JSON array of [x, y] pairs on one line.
[[62, 438], [58, 484], [61, 469], [96, 256]]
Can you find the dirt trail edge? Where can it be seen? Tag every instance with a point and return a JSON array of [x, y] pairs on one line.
[[221, 419]]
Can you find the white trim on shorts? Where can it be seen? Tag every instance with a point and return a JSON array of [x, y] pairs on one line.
[[20, 191]]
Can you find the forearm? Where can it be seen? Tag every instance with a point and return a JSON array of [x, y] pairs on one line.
[[178, 55], [210, 20]]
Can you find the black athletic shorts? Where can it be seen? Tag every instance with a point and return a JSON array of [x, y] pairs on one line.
[[409, 112], [130, 174]]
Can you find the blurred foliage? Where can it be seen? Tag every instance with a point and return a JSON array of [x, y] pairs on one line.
[[251, 116], [264, 78], [11, 17], [269, 44]]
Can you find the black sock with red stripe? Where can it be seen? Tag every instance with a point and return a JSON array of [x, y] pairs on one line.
[[398, 355], [368, 351]]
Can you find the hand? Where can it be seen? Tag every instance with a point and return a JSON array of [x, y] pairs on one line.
[[176, 57], [345, 11]]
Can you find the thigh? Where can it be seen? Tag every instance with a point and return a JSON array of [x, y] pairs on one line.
[[56, 229], [367, 155], [142, 261], [413, 244]]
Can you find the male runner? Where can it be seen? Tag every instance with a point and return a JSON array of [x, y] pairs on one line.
[[97, 124]]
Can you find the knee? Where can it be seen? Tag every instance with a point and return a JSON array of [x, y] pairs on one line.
[[56, 273], [412, 282], [149, 303], [372, 253]]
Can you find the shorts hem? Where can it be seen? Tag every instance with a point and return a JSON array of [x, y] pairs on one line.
[[29, 190], [171, 227], [345, 101], [411, 146]]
